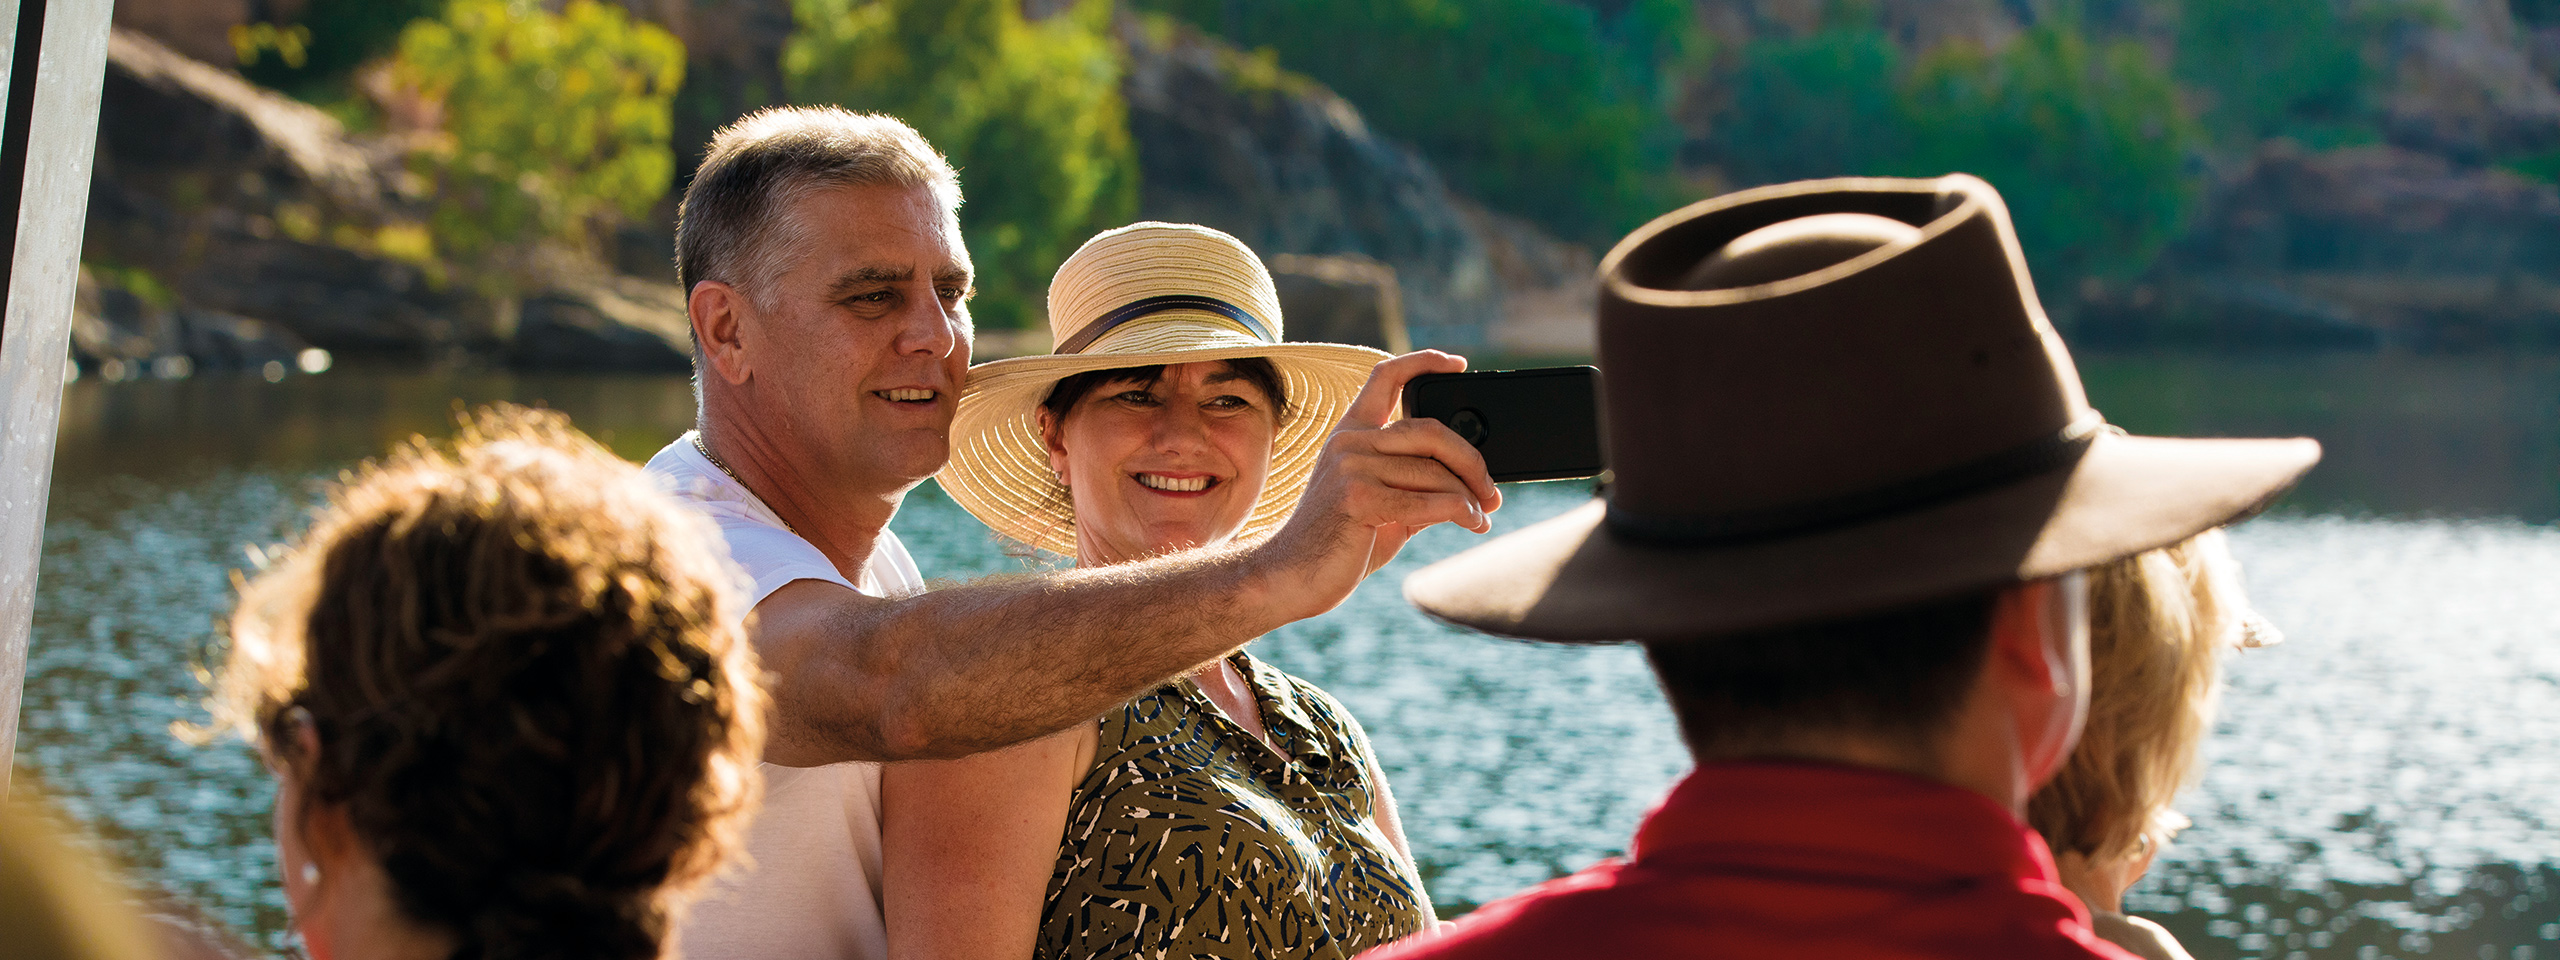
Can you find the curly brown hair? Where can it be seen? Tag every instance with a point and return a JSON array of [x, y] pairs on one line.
[[532, 692]]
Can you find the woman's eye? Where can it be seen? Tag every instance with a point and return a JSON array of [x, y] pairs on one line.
[[1231, 402], [1136, 396]]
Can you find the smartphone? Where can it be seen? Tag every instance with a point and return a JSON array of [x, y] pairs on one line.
[[1541, 424]]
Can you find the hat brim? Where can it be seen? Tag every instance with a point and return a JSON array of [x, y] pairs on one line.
[[1571, 579], [999, 469]]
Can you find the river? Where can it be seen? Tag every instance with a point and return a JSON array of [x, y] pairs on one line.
[[2381, 785]]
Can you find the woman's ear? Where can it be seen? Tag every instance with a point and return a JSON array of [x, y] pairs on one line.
[[1049, 438]]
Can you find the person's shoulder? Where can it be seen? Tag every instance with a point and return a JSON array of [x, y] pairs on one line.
[[1570, 916], [2137, 936]]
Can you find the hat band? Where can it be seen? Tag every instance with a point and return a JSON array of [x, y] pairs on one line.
[[2017, 463], [1154, 305]]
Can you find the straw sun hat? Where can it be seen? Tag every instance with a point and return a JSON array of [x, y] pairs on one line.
[[1142, 295]]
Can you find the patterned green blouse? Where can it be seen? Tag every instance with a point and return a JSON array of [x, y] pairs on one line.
[[1191, 839]]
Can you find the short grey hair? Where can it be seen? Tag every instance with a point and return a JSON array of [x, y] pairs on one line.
[[738, 223]]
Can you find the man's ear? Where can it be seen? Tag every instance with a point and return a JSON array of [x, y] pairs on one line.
[[2039, 653], [1049, 438], [2019, 641], [719, 314]]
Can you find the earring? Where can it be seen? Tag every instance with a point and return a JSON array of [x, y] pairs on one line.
[[310, 874]]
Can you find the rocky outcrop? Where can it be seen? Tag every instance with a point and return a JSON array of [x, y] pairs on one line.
[[1345, 298], [239, 199], [603, 323], [268, 228], [118, 334], [2467, 86], [1289, 167], [200, 29], [1550, 288], [1227, 139], [2358, 246]]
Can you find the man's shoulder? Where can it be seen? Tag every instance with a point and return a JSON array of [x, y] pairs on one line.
[[1617, 909], [1553, 919], [767, 551]]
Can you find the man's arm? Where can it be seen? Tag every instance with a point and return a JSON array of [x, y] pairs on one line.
[[966, 669]]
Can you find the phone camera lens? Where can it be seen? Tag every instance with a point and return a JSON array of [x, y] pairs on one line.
[[1469, 425]]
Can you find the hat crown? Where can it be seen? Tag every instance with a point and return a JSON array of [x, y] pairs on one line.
[[1775, 408], [1154, 273]]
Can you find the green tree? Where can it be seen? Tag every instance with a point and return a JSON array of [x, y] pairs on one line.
[[1823, 105], [555, 124], [335, 37], [2269, 68], [2087, 141], [1554, 110], [1030, 112]]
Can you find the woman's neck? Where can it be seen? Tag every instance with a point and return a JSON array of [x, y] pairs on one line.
[[1232, 691], [358, 920]]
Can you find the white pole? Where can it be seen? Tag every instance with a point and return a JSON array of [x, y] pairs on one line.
[[60, 136]]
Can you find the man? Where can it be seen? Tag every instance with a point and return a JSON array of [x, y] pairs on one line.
[[1854, 480], [828, 289]]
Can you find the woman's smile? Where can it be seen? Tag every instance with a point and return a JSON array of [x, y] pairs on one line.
[[1175, 484]]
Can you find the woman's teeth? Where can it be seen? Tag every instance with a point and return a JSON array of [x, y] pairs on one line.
[[1174, 484], [911, 393]]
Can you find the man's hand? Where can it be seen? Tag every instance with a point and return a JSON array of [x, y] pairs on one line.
[[1376, 484]]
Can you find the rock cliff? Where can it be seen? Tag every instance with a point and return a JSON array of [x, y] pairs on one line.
[[1227, 139], [2363, 246], [239, 202]]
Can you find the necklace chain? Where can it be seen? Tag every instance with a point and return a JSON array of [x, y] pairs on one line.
[[705, 450]]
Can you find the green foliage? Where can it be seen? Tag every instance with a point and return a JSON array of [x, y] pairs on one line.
[[328, 41], [555, 123], [2269, 68], [2544, 166], [1824, 105], [1030, 112], [2087, 141], [139, 281], [1549, 109]]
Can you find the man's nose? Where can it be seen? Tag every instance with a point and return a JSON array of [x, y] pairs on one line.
[[933, 328]]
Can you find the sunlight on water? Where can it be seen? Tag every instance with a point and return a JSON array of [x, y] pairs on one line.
[[2382, 785]]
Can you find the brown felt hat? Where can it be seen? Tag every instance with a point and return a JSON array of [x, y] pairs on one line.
[[1813, 416]]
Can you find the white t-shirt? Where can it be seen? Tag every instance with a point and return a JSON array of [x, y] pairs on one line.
[[813, 891]]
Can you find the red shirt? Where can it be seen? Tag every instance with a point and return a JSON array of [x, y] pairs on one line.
[[1796, 860]]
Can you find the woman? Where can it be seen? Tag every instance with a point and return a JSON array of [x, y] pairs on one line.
[[505, 702], [1237, 812], [2158, 623]]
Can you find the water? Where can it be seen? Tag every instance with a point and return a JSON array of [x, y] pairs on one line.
[[2379, 786]]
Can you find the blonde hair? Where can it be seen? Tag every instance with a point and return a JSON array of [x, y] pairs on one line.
[[2158, 623], [525, 668]]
